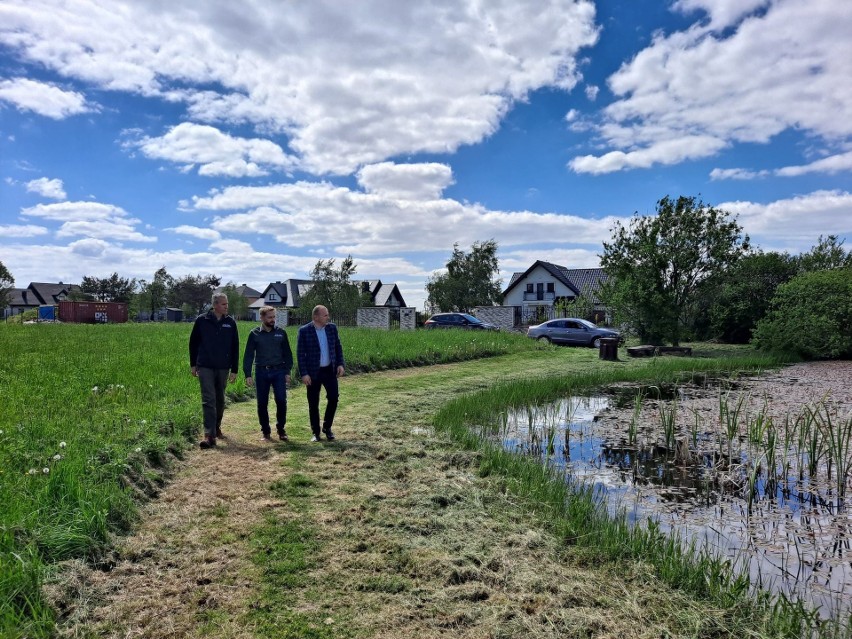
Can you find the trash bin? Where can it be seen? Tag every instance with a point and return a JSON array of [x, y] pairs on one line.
[[609, 349]]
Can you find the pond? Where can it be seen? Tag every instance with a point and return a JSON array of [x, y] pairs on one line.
[[756, 468]]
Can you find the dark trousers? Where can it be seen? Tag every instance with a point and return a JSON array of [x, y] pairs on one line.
[[327, 379], [213, 382], [264, 379]]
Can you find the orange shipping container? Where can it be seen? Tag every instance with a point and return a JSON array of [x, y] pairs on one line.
[[93, 312]]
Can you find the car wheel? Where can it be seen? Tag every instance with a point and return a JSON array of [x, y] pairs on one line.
[[544, 338], [596, 343]]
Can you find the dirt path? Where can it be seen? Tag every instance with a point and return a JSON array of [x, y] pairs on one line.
[[409, 541]]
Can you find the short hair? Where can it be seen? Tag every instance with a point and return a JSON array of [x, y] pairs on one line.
[[316, 310], [217, 296], [265, 310]]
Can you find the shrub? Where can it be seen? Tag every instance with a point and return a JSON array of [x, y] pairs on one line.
[[810, 316]]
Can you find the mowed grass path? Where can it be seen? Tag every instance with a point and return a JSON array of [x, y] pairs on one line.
[[388, 532]]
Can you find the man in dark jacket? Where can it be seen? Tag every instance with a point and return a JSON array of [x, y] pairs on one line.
[[271, 346], [320, 358], [213, 358]]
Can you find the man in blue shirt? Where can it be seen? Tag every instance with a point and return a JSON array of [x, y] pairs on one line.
[[270, 346], [320, 357]]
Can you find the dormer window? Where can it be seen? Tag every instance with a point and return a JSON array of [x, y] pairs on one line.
[[273, 297]]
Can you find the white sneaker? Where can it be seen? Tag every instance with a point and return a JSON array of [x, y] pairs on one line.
[[315, 438]]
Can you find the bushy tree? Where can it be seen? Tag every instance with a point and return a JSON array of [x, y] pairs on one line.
[[470, 280], [7, 283], [810, 316], [827, 254], [108, 289], [193, 292], [742, 295], [657, 264], [237, 304], [333, 288]]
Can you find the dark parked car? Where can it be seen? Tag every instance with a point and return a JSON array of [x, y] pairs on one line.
[[458, 320], [570, 330]]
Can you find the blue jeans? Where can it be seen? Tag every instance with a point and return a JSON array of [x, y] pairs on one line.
[[264, 379]]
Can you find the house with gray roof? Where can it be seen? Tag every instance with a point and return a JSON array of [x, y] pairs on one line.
[[539, 289], [38, 294], [289, 293]]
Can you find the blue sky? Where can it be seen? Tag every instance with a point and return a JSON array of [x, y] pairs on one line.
[[251, 139]]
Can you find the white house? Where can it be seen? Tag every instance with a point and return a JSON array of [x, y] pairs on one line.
[[538, 289]]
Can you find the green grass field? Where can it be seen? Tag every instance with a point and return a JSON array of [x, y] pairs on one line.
[[92, 416], [97, 417]]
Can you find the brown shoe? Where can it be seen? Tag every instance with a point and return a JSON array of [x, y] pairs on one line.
[[220, 434], [282, 435], [207, 442]]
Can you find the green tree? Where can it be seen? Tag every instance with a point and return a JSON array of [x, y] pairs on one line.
[[237, 304], [744, 293], [657, 264], [193, 292], [333, 288], [7, 283], [810, 316], [470, 280], [108, 289], [827, 254]]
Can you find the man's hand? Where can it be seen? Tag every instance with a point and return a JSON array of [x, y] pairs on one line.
[[306, 380], [340, 371], [194, 371], [286, 380], [232, 377], [249, 382]]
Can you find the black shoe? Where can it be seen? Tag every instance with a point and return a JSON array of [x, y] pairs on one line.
[[220, 434], [316, 437], [207, 442], [282, 435], [328, 434]]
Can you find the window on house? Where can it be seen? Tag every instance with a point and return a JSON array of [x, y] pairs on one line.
[[272, 297], [550, 287], [529, 288]]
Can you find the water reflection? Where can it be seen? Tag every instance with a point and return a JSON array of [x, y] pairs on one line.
[[791, 535]]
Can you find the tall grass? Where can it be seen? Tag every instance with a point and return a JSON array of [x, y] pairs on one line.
[[579, 517]]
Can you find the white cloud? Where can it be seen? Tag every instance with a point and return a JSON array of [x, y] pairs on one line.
[[47, 188], [217, 153], [722, 13], [736, 174], [781, 69], [21, 230], [592, 92], [43, 99], [195, 231], [90, 219], [832, 164], [406, 181], [350, 84], [792, 221], [328, 217]]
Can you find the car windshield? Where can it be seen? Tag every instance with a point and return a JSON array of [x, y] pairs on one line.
[[587, 323], [471, 318]]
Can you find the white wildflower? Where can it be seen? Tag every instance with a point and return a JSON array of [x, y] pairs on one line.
[[138, 450], [62, 444], [94, 389], [32, 471], [57, 457], [45, 470], [144, 421]]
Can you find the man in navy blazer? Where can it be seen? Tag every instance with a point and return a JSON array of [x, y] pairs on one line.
[[320, 358]]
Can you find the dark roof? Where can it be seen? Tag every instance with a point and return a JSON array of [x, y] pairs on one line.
[[579, 280], [244, 290], [48, 293], [280, 288], [385, 292], [22, 297]]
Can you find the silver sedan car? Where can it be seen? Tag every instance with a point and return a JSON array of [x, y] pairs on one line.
[[570, 330]]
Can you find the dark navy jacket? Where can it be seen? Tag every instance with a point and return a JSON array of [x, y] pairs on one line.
[[308, 349], [214, 343], [272, 348]]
